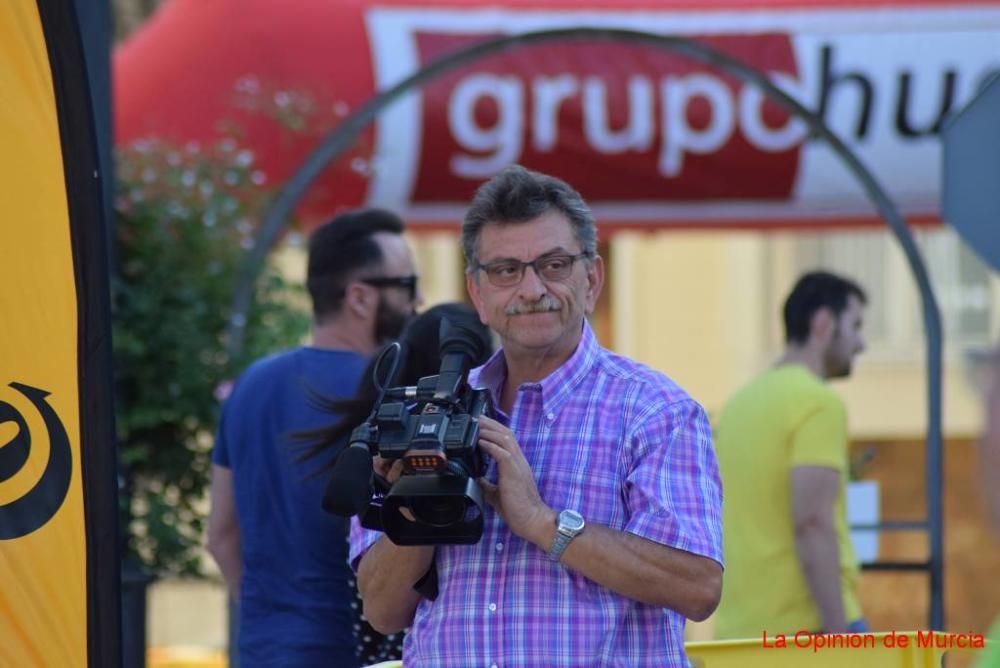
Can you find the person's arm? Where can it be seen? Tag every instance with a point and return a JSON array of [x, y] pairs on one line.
[[814, 491], [224, 529], [625, 563], [387, 573], [638, 568]]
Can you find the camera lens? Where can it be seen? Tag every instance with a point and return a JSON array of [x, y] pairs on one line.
[[438, 511]]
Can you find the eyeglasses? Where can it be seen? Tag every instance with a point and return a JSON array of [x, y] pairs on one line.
[[554, 267], [408, 282]]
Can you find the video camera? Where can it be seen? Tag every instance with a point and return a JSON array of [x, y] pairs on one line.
[[432, 428]]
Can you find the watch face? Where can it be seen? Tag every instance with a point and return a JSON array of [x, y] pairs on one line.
[[571, 519]]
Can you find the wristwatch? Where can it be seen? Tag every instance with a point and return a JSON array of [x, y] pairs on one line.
[[569, 525]]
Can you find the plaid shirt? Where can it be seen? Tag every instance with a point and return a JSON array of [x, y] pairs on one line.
[[628, 449]]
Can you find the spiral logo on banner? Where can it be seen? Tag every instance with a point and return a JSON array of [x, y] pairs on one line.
[[39, 504]]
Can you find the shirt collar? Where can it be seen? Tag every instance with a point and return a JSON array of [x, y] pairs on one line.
[[558, 385]]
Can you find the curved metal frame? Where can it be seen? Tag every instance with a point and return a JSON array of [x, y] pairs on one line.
[[346, 134]]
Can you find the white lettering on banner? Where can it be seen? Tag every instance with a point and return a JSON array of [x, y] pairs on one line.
[[503, 141], [637, 135], [884, 80], [550, 93], [678, 136], [752, 117], [504, 138]]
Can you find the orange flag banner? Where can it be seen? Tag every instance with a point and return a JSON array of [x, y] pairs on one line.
[[58, 546]]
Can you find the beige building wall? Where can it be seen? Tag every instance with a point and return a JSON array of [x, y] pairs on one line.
[[688, 305]]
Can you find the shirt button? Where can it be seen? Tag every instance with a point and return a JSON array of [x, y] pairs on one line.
[[493, 665], [551, 416], [499, 547], [492, 607]]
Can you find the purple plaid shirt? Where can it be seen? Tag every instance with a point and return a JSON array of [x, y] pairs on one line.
[[627, 448]]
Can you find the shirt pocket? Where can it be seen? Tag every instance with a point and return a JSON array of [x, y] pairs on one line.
[[597, 495]]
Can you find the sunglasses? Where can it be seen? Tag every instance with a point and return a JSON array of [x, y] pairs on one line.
[[406, 282]]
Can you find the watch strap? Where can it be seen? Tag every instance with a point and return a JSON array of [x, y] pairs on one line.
[[559, 545], [565, 533]]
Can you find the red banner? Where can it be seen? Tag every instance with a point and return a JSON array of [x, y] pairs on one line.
[[650, 137]]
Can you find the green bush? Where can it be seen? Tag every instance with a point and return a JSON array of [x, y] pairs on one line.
[[184, 217]]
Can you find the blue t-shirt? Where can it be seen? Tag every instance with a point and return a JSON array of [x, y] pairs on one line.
[[295, 597]]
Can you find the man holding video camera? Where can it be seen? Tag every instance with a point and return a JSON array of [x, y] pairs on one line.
[[604, 527]]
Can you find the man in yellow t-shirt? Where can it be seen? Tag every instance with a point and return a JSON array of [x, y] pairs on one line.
[[782, 446]]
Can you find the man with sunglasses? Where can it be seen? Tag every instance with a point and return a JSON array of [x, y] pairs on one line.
[[604, 527], [282, 557]]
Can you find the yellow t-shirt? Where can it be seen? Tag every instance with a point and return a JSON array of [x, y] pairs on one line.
[[786, 417], [990, 657]]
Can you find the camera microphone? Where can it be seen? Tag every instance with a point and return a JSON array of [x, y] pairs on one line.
[[351, 484], [460, 347]]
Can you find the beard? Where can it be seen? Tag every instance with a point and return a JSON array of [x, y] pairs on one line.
[[838, 369], [838, 360], [390, 321], [837, 365]]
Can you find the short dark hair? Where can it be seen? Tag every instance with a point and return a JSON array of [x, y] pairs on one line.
[[339, 249], [518, 195], [813, 291]]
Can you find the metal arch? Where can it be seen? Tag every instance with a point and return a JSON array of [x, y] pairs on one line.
[[346, 134]]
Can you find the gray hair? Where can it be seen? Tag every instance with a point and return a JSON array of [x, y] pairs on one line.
[[519, 195]]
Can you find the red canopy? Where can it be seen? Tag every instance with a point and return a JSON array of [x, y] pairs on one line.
[[649, 137]]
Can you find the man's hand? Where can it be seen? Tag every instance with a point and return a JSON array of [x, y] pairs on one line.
[[387, 468], [515, 496], [391, 470]]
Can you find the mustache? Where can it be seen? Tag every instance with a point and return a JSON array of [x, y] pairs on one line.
[[543, 305]]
